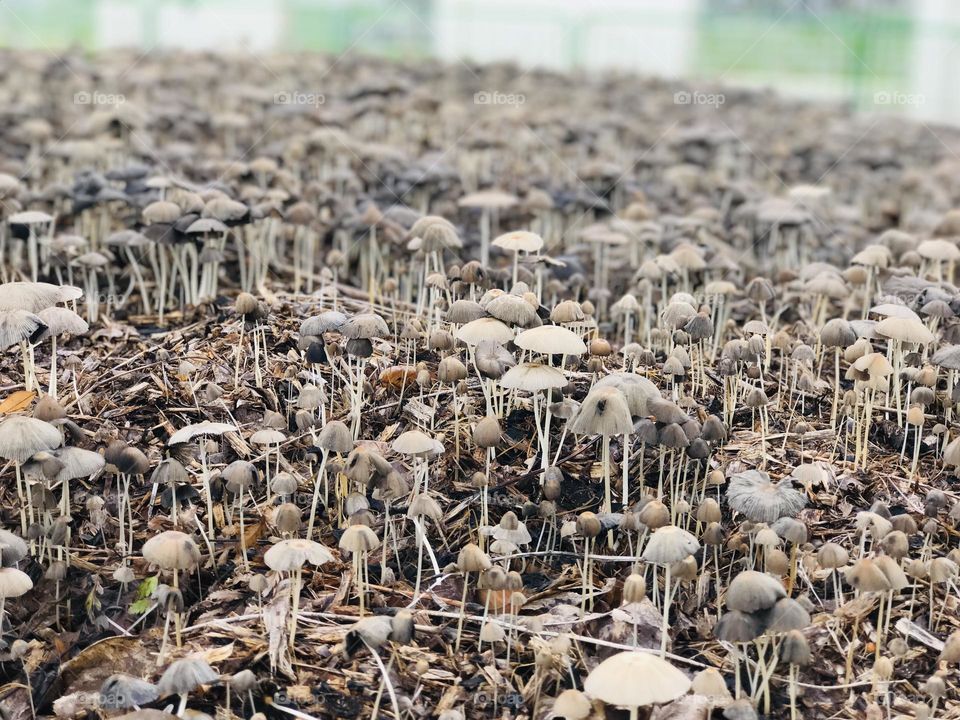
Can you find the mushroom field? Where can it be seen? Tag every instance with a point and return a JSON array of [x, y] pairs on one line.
[[354, 388]]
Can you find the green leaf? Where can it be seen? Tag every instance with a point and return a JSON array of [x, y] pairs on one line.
[[144, 591], [92, 603]]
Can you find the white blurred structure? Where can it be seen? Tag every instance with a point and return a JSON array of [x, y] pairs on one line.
[[556, 33], [212, 25], [936, 61]]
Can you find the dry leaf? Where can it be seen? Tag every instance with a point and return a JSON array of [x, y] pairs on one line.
[[399, 376], [219, 654], [15, 402]]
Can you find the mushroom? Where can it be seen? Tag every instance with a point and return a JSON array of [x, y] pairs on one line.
[[20, 439], [615, 681], [669, 545], [470, 559], [359, 540], [536, 378], [176, 551], [604, 412], [59, 321], [516, 242], [490, 202], [422, 508], [290, 556], [123, 692], [334, 437], [361, 329], [13, 584], [187, 434], [183, 677]]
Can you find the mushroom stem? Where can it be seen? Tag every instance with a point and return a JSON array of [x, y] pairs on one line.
[[27, 369], [792, 579], [608, 495], [166, 637], [295, 603], [420, 530], [666, 612], [359, 577], [463, 608], [21, 504], [456, 423], [793, 691], [485, 237], [626, 470], [243, 538], [583, 576], [736, 674], [321, 480], [238, 355], [916, 450], [52, 383], [207, 488]]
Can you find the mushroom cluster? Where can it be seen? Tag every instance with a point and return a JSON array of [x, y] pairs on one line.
[[402, 404]]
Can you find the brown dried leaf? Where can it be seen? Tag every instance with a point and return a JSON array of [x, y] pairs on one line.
[[96, 663], [15, 402]]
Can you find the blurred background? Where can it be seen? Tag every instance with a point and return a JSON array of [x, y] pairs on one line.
[[879, 56]]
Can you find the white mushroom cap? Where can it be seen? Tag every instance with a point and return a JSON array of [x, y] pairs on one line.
[[60, 320], [519, 241], [293, 554], [23, 437], [476, 331], [551, 340], [533, 377], [635, 679], [14, 582], [670, 544], [906, 330], [35, 296], [413, 442], [188, 433], [172, 550]]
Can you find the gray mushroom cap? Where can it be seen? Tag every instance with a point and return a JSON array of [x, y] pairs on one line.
[[122, 691], [185, 675], [754, 495]]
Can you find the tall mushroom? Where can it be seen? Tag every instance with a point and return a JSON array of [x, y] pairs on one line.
[[604, 412], [176, 551], [518, 241], [20, 439], [290, 556], [536, 378], [667, 546], [13, 584], [335, 437], [59, 321], [202, 429], [360, 330], [359, 540]]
